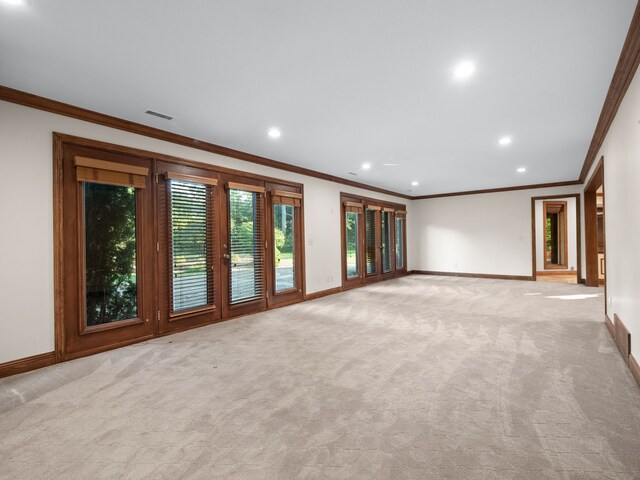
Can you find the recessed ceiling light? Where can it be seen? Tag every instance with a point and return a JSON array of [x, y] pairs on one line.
[[274, 132], [521, 170], [366, 166], [464, 70], [415, 184], [353, 173], [505, 141]]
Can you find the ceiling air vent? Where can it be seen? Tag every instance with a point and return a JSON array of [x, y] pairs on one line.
[[353, 173], [158, 114]]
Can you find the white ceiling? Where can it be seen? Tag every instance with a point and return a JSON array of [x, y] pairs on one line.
[[347, 82]]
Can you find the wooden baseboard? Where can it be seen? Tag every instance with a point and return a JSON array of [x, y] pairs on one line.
[[27, 364], [634, 366], [322, 293], [472, 275], [622, 338], [556, 273], [609, 324]]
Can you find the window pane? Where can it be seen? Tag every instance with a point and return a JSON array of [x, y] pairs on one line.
[[284, 246], [110, 253], [351, 238], [386, 241], [370, 240], [190, 246], [245, 248], [399, 243]]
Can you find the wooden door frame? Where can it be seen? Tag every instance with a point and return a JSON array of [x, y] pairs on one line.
[[591, 227], [168, 321], [295, 294], [352, 282], [533, 232], [565, 234]]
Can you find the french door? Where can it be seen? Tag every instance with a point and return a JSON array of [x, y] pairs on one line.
[[243, 246], [374, 241], [187, 248], [285, 276], [147, 247]]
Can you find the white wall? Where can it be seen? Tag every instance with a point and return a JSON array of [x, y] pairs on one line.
[[26, 213], [621, 151], [487, 233], [572, 251]]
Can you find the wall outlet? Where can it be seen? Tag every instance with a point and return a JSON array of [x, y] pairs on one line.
[[309, 241]]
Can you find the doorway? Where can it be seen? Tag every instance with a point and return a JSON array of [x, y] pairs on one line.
[[595, 237], [555, 224]]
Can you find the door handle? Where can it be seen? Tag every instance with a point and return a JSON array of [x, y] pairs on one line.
[[226, 256]]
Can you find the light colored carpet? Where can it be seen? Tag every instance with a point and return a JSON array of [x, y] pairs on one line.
[[415, 378]]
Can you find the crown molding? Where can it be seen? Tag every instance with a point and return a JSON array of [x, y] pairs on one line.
[[622, 77]]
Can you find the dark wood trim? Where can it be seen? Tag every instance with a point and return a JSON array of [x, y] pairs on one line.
[[591, 226], [40, 103], [27, 364], [498, 190], [472, 275], [59, 108], [622, 77], [634, 366], [622, 338], [563, 209], [534, 267], [552, 273], [609, 324], [322, 293]]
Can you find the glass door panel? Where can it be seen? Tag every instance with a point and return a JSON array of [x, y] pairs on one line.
[[352, 244], [110, 245], [246, 246], [399, 243], [284, 253], [191, 245], [371, 247], [386, 241]]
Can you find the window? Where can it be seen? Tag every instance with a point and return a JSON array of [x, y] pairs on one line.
[[399, 242], [386, 240], [351, 238], [370, 241], [246, 240], [284, 246], [110, 243], [191, 239]]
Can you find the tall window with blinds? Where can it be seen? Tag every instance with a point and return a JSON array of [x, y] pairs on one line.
[[386, 241], [246, 247], [370, 241], [399, 243], [191, 240]]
